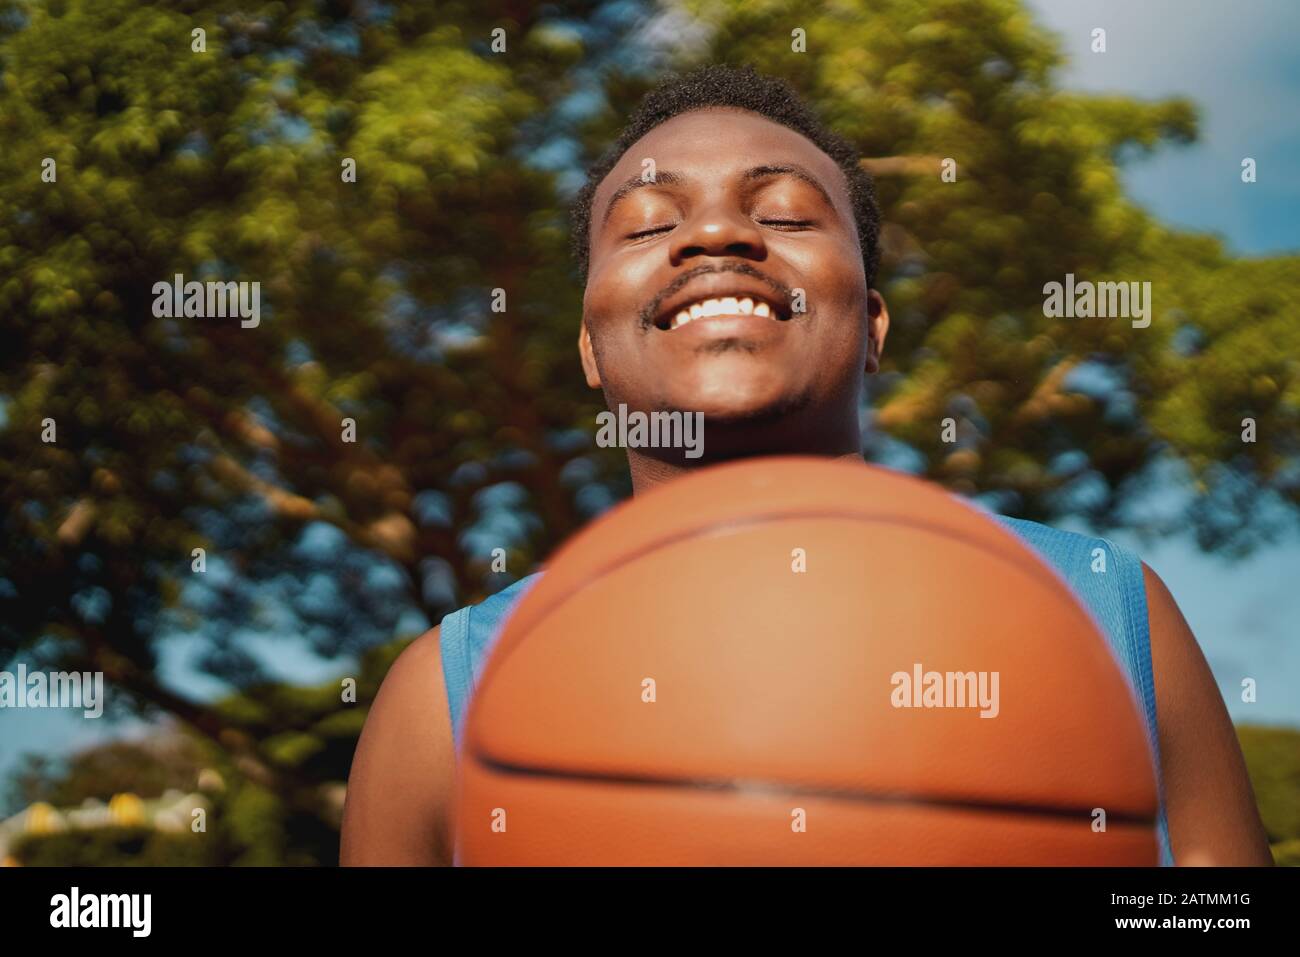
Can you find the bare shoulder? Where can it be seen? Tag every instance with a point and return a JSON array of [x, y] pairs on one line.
[[400, 789], [1213, 818]]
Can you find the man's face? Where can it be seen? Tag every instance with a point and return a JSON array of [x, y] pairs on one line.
[[741, 208]]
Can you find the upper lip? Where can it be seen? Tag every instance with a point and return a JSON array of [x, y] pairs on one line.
[[721, 286]]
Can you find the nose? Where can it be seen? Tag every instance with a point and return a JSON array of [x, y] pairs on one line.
[[717, 230]]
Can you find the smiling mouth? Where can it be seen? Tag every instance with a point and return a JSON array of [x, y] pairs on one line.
[[721, 306]]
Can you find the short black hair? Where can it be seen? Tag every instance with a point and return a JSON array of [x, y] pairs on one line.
[[720, 85]]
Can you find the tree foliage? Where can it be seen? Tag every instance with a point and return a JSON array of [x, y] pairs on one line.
[[474, 426]]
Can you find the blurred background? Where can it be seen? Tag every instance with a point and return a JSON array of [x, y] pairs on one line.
[[228, 688]]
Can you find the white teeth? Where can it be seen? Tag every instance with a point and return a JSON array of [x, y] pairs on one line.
[[726, 306]]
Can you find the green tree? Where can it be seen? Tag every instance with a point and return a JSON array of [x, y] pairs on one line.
[[174, 434], [1037, 196]]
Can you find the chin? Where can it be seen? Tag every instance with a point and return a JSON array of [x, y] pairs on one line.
[[731, 408], [739, 398]]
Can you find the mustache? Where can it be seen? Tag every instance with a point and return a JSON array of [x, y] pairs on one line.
[[653, 307]]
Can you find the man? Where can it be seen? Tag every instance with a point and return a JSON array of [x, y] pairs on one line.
[[690, 304]]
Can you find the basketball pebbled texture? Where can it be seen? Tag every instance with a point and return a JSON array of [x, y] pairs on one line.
[[774, 701]]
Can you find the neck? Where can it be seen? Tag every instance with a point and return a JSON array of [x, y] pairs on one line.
[[647, 472]]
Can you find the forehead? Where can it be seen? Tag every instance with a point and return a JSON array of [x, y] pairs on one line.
[[710, 145]]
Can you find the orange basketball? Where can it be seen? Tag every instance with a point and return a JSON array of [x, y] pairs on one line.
[[796, 661]]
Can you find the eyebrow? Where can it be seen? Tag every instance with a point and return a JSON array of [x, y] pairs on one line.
[[636, 182], [790, 169], [753, 173]]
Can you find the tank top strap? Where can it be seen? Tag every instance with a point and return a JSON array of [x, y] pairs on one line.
[[466, 637], [1107, 579]]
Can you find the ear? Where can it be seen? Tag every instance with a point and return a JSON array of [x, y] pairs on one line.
[[588, 357], [877, 329]]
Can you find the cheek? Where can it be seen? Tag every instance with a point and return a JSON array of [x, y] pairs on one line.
[[610, 312], [618, 287], [836, 289]]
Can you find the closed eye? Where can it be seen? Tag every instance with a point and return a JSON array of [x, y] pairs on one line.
[[786, 224], [649, 232]]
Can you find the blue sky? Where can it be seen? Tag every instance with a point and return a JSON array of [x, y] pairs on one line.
[[1237, 61]]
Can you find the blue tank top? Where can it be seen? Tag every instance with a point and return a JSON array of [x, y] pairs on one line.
[[1117, 600]]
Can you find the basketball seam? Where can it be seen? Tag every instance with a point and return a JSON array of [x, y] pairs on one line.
[[777, 788]]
